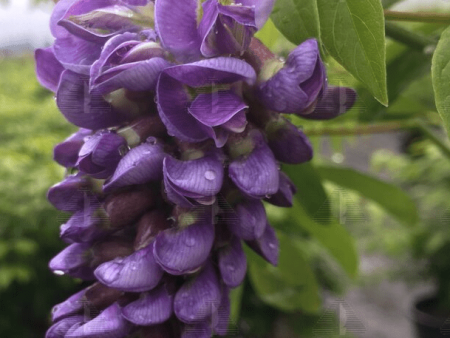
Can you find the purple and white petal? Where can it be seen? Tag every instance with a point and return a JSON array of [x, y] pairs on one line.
[[70, 259], [70, 306], [151, 308], [138, 272]]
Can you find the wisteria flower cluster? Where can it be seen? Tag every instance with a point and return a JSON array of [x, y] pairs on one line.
[[180, 142]]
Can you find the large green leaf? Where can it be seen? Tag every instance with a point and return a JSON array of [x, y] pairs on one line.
[[289, 287], [440, 71], [388, 196], [298, 20], [311, 193], [333, 236], [353, 33]]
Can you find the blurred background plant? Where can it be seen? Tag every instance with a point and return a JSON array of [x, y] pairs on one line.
[[399, 208]]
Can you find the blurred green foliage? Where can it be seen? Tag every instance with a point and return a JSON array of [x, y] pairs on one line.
[[29, 225]]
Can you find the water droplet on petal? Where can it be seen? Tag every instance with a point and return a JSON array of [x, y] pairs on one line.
[[231, 267], [190, 241], [59, 272], [210, 175], [273, 246]]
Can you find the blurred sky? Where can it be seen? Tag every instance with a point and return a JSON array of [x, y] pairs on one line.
[[24, 26]]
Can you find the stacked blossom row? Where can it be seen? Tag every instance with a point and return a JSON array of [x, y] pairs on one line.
[[181, 135]]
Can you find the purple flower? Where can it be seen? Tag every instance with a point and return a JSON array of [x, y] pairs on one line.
[[198, 180], [192, 106], [66, 152], [284, 196], [296, 86], [101, 153], [48, 68], [210, 29]]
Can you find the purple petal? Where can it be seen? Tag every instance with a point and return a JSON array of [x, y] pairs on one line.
[[263, 8], [298, 84], [71, 194], [267, 245], [85, 225], [143, 51], [334, 102], [198, 330], [257, 174], [221, 318], [136, 273], [66, 152], [284, 196], [173, 102], [174, 196], [70, 306], [218, 70], [140, 165], [226, 29], [59, 10], [196, 178], [232, 263], [176, 24], [101, 153], [60, 329], [72, 258], [108, 324], [108, 51], [138, 76], [76, 54], [216, 108], [152, 308], [198, 298], [250, 219], [237, 123], [183, 250], [48, 68], [288, 143], [84, 109]]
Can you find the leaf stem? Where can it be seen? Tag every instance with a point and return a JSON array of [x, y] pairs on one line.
[[412, 39], [417, 17], [376, 128]]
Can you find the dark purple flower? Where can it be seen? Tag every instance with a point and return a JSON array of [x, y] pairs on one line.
[[185, 247], [66, 152], [267, 245], [221, 318], [249, 219], [140, 165], [197, 330], [191, 105], [254, 169], [151, 308], [287, 142], [71, 194], [101, 153], [199, 297], [297, 85], [198, 180], [284, 196], [334, 102], [74, 261], [136, 273], [232, 263]]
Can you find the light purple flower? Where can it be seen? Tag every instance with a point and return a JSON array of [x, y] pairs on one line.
[[66, 152]]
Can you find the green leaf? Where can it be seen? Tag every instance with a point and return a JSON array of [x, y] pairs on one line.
[[298, 20], [388, 196], [289, 287], [353, 33], [311, 193], [440, 72], [333, 236], [235, 302]]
